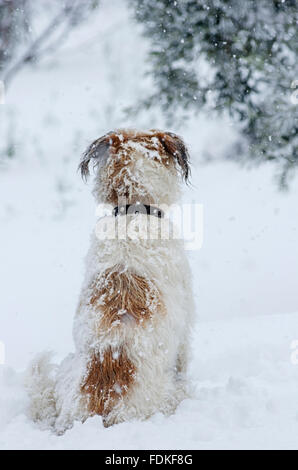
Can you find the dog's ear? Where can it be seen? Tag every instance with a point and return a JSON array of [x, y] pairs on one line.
[[174, 146], [97, 150]]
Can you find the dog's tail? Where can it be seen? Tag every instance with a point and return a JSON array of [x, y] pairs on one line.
[[40, 384]]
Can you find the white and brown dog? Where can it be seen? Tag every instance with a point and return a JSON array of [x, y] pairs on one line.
[[136, 310]]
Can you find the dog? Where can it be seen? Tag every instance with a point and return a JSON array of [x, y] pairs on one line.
[[136, 312]]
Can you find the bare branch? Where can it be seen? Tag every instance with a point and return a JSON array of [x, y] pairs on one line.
[[34, 49]]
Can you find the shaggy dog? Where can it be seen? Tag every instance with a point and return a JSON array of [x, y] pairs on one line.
[[135, 312]]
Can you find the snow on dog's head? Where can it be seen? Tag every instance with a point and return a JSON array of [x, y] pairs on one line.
[[137, 166]]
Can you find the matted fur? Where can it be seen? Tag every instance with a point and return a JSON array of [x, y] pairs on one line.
[[108, 378], [120, 295], [135, 312]]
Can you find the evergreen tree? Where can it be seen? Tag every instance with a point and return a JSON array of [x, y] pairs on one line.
[[251, 47]]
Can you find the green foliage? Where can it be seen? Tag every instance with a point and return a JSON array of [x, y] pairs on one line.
[[251, 50]]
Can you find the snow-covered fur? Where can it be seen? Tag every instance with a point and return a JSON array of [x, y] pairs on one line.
[[135, 312]]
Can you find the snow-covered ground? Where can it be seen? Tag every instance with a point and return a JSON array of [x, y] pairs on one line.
[[245, 385], [244, 396]]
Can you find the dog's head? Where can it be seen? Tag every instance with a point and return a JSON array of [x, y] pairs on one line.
[[137, 166]]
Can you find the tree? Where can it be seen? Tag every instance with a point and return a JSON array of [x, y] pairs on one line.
[[251, 51], [16, 17], [13, 26]]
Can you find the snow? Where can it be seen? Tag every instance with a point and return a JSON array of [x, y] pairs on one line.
[[244, 383], [244, 396]]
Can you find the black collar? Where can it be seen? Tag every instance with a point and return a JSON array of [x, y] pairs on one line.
[[138, 208]]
